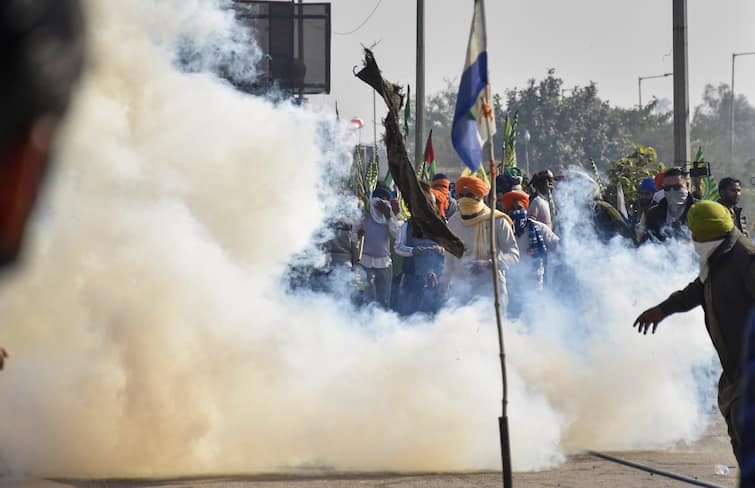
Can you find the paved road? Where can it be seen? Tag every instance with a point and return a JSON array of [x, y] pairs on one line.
[[580, 470]]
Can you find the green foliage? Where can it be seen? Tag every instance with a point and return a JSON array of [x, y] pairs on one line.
[[363, 181], [357, 180], [510, 126], [371, 176], [708, 187], [630, 170]]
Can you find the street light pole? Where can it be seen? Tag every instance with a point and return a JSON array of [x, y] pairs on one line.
[[733, 100], [527, 151], [639, 82]]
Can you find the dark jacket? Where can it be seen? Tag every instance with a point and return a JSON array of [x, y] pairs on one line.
[[747, 419], [655, 221], [727, 296], [736, 214]]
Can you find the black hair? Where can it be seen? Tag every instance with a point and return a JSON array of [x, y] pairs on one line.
[[727, 183], [382, 191], [675, 172], [42, 55]]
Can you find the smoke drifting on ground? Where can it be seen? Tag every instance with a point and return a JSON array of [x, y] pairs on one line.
[[150, 335]]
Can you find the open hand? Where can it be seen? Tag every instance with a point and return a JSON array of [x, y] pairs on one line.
[[652, 316], [384, 208]]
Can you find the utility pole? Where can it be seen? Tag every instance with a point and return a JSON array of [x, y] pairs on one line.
[[300, 32], [419, 125], [681, 86], [733, 101]]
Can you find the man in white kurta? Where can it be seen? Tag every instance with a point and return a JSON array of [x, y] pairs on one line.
[[471, 276]]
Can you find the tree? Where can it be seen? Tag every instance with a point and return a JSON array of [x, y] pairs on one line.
[[629, 171], [710, 129], [440, 116], [566, 130]]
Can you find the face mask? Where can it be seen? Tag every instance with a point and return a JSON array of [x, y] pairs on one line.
[[677, 197], [705, 250], [520, 219], [470, 206]]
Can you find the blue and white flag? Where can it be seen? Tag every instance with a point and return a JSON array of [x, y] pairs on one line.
[[469, 131]]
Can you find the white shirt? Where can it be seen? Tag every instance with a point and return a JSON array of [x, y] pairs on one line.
[[467, 286], [540, 210]]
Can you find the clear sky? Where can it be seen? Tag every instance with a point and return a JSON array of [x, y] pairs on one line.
[[610, 42]]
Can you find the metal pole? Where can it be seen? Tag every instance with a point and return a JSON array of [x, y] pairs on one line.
[[681, 86], [667, 474], [374, 122], [301, 49], [639, 88], [733, 101], [731, 127], [419, 124], [639, 82], [503, 420], [527, 157]]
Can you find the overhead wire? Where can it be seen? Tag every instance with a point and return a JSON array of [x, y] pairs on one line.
[[363, 22]]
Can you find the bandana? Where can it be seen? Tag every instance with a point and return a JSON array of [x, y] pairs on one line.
[[677, 200], [475, 212], [521, 224], [441, 200], [705, 250]]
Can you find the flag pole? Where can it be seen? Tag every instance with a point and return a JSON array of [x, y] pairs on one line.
[[503, 420]]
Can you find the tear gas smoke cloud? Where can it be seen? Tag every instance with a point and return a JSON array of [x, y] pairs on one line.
[[151, 336]]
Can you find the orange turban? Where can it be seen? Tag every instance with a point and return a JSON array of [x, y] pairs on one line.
[[473, 184], [441, 200], [516, 196]]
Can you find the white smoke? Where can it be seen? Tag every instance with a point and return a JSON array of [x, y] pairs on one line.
[[150, 335]]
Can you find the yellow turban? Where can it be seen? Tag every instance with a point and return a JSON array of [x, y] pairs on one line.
[[709, 220]]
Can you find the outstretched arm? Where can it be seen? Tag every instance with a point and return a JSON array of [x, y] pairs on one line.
[[679, 301]]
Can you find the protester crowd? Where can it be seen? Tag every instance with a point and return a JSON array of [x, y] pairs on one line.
[[410, 274], [399, 269]]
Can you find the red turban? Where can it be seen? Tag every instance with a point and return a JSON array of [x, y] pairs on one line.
[[516, 196], [659, 181], [472, 184]]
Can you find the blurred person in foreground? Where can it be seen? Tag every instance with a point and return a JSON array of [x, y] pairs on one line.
[[470, 276], [42, 51], [747, 409], [725, 288]]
